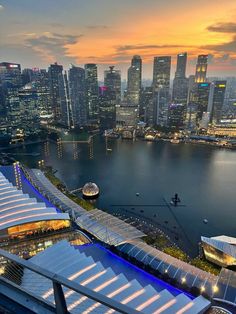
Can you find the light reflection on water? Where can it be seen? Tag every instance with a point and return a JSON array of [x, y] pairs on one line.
[[204, 177]]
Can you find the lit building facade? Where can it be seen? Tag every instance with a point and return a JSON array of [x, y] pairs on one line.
[[22, 215], [91, 85], [146, 110], [107, 108], [112, 80], [161, 88], [220, 250], [201, 69], [134, 81], [180, 83], [202, 99], [77, 88], [56, 89], [218, 101], [126, 116], [176, 115]]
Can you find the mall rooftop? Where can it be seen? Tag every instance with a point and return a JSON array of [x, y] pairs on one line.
[[21, 214]]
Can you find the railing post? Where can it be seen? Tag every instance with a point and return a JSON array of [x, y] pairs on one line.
[[60, 302]]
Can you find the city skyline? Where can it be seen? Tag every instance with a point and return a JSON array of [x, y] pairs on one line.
[[89, 32]]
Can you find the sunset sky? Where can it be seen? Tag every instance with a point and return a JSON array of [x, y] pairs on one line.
[[39, 32]]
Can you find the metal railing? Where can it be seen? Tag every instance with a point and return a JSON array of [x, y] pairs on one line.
[[13, 269]]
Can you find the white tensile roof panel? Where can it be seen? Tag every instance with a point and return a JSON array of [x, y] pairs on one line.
[[101, 279], [17, 208]]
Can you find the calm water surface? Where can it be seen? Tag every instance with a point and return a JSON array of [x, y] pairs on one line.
[[204, 177]]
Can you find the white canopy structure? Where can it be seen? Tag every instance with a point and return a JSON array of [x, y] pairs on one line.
[[21, 214]]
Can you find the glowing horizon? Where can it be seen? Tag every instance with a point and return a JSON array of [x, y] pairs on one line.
[[111, 32]]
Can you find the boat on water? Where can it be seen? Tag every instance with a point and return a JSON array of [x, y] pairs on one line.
[[205, 221], [137, 194], [175, 141], [109, 150], [175, 200]]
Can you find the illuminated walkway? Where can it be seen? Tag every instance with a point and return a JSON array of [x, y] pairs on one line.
[[69, 262], [126, 239]]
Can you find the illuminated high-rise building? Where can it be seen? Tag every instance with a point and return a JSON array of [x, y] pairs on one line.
[[161, 73], [10, 74], [134, 81], [112, 80], [77, 96], [181, 65], [161, 88], [91, 83], [218, 101], [176, 116], [202, 99], [42, 86], [29, 110], [10, 82], [107, 108], [56, 84], [146, 109], [180, 83], [201, 69]]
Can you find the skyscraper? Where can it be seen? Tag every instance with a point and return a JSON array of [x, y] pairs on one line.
[[65, 119], [112, 80], [175, 115], [146, 109], [202, 99], [134, 81], [218, 100], [10, 74], [56, 84], [180, 83], [161, 88], [29, 111], [107, 108], [42, 87], [181, 65], [161, 73], [201, 69], [91, 83], [77, 96]]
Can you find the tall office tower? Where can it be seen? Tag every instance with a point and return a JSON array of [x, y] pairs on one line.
[[29, 113], [56, 84], [191, 88], [202, 99], [180, 83], [42, 87], [146, 108], [176, 115], [77, 96], [112, 80], [180, 92], [201, 69], [10, 74], [218, 101], [137, 63], [181, 65], [65, 119], [27, 76], [91, 82], [134, 81], [107, 108], [10, 82], [161, 89]]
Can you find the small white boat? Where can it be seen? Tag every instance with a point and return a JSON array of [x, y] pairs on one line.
[[137, 194], [175, 141], [205, 221]]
